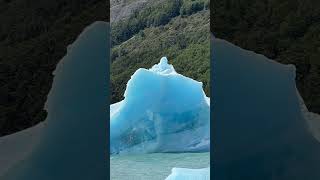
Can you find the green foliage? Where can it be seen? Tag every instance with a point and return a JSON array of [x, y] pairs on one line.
[[153, 16], [191, 6], [286, 31], [157, 15], [184, 40]]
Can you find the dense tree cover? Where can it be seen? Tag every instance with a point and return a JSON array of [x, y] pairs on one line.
[[287, 31], [158, 14], [185, 40], [34, 36], [189, 7]]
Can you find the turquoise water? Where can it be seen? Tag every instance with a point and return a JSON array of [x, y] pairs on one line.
[[155, 166]]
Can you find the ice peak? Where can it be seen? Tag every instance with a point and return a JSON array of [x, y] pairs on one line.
[[163, 61], [163, 67]]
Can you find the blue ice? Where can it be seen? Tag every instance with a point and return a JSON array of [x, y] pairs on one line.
[[162, 111], [189, 174]]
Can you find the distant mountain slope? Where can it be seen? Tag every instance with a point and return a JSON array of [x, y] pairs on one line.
[[121, 9], [33, 37], [182, 36]]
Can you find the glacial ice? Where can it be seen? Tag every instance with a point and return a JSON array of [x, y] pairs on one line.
[[260, 131], [189, 174], [71, 143], [162, 111]]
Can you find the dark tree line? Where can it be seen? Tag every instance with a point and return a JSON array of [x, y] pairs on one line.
[[34, 36]]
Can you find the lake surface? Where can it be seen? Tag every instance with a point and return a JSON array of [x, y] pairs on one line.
[[156, 166]]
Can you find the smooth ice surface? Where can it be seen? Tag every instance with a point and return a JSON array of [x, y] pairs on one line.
[[259, 129], [163, 111], [313, 119], [189, 174], [11, 146], [154, 166], [73, 138]]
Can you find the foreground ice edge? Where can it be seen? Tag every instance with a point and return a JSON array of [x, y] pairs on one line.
[[72, 139], [189, 174]]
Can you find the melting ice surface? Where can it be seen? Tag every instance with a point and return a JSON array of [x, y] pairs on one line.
[[162, 111]]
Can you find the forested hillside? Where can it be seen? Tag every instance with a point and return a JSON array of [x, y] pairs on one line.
[[177, 29], [34, 36], [287, 31]]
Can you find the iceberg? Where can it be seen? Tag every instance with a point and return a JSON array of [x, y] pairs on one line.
[[71, 143], [260, 131], [189, 174], [162, 111]]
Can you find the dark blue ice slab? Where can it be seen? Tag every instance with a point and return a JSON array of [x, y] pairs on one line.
[[259, 132]]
